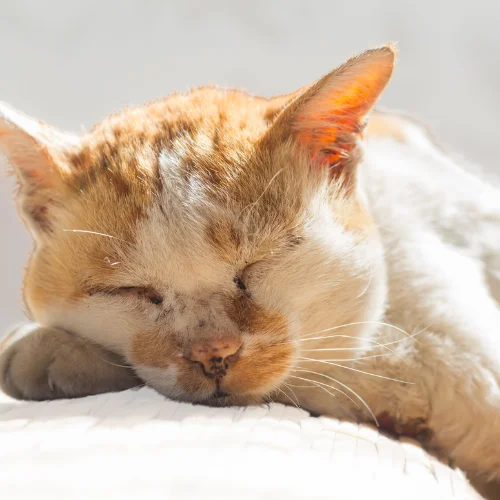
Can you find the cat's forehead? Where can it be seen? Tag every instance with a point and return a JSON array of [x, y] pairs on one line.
[[206, 135], [210, 109], [185, 148], [180, 173]]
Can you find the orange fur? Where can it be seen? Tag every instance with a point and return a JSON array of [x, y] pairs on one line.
[[182, 198]]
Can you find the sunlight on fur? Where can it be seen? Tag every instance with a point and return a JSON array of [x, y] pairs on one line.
[[227, 249]]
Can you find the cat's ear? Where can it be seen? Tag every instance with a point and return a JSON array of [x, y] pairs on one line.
[[37, 154], [275, 105], [327, 118]]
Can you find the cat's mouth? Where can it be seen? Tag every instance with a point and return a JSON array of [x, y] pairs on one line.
[[215, 371]]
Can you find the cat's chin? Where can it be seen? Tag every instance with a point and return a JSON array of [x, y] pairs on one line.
[[230, 400], [210, 396], [216, 399]]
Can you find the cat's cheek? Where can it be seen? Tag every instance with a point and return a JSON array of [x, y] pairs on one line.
[[264, 366], [108, 323], [165, 381], [175, 382]]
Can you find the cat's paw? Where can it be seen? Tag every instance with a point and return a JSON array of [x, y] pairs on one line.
[[39, 363]]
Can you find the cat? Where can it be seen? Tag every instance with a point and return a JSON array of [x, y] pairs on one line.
[[227, 249]]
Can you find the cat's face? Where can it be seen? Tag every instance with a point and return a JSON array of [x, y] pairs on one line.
[[203, 235]]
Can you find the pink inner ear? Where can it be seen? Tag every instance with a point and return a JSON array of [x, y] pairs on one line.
[[325, 145], [34, 149], [330, 134], [332, 116]]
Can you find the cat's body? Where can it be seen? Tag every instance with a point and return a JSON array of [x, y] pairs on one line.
[[231, 249], [440, 227]]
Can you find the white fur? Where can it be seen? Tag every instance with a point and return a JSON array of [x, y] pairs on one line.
[[434, 273], [43, 133], [440, 227]]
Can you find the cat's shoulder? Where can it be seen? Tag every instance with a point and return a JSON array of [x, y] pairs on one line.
[[403, 158], [400, 128]]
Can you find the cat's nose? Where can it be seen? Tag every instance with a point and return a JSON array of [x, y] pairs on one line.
[[215, 355]]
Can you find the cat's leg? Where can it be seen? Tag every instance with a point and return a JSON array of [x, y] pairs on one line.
[[465, 412], [39, 363], [455, 360]]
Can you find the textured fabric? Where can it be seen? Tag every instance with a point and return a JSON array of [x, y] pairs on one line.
[[138, 445]]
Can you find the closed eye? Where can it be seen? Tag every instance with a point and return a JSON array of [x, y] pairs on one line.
[[239, 283], [143, 292]]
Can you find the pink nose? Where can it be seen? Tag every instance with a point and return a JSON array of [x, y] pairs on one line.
[[215, 355]]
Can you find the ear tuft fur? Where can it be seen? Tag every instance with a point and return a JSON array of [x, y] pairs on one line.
[[328, 117], [36, 154]]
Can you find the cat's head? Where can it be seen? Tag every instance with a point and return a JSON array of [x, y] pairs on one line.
[[204, 234]]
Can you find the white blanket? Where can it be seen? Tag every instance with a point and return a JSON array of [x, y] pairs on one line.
[[138, 445]]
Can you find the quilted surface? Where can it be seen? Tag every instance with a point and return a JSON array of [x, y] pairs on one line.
[[138, 445]]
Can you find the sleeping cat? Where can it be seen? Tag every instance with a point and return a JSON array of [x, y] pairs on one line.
[[230, 249]]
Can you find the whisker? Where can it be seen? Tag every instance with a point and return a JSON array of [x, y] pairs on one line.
[[368, 340], [316, 384], [367, 286], [357, 338], [365, 404], [361, 358], [112, 364], [301, 386], [293, 393], [251, 205], [412, 336], [326, 390], [356, 370], [378, 344], [381, 323], [349, 410], [94, 232], [287, 396]]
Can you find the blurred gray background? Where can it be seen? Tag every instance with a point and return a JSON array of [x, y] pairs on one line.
[[73, 62]]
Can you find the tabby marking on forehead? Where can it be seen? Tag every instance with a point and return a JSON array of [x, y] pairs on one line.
[[240, 215]]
